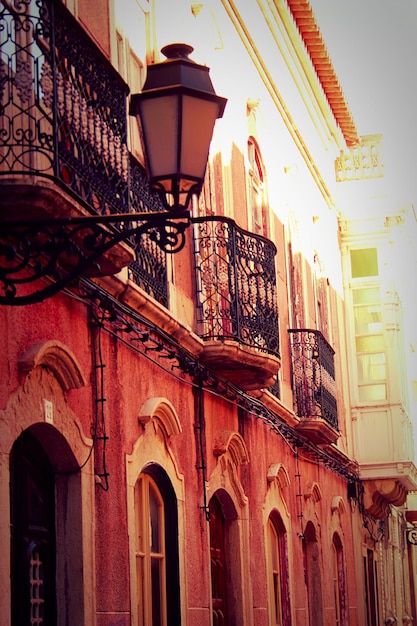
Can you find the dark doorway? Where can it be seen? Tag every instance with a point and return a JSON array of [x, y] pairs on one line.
[[32, 485], [218, 564], [313, 576]]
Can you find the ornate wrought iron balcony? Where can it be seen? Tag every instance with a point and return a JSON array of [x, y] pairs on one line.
[[63, 106], [63, 126], [237, 300], [314, 386]]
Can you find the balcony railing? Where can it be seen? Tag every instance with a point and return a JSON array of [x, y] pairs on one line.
[[149, 270], [63, 106], [236, 284], [63, 118], [313, 376]]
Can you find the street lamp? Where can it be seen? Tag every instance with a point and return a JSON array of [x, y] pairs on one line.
[[176, 113]]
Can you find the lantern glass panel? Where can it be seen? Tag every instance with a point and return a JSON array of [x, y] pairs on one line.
[[198, 119], [159, 118]]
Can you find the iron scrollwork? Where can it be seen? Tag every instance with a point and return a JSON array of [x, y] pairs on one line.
[[63, 119], [61, 250], [62, 105], [236, 284], [313, 376]]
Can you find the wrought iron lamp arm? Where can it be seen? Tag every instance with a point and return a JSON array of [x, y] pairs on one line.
[[62, 249]]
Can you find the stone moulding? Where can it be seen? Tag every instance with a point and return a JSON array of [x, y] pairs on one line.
[[55, 356]]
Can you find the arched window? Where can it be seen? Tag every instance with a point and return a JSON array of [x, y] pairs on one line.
[[371, 588], [228, 563], [157, 567], [313, 575], [32, 486], [218, 564], [278, 584], [339, 583]]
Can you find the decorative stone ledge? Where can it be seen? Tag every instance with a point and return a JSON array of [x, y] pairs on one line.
[[387, 484], [318, 430], [245, 367]]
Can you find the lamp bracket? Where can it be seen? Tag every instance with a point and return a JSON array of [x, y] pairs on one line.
[[39, 258]]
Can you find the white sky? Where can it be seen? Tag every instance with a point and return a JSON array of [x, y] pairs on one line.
[[373, 46]]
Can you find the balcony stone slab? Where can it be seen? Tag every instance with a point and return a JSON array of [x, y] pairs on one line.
[[246, 367], [318, 430]]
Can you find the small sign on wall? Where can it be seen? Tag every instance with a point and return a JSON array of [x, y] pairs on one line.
[[48, 411]]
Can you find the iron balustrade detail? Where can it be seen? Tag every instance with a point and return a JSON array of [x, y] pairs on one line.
[[63, 117], [313, 376], [63, 106], [275, 388], [149, 269], [236, 284]]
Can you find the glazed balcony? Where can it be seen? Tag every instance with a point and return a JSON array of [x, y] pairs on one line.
[[63, 134], [313, 383], [237, 314]]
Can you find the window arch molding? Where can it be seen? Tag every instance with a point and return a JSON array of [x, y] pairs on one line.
[[152, 455], [233, 443], [50, 369], [339, 580], [278, 480], [164, 412], [56, 357], [314, 568], [159, 421], [279, 594], [157, 600], [67, 487], [237, 583], [313, 492], [276, 512], [231, 452], [224, 484]]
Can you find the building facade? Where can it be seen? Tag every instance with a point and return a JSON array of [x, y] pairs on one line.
[[204, 437]]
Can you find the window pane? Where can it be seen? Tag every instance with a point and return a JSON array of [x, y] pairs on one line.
[[139, 512], [336, 590], [371, 367], [373, 343], [154, 519], [277, 597], [273, 546], [368, 319], [364, 262], [370, 393], [156, 591], [366, 296], [151, 561]]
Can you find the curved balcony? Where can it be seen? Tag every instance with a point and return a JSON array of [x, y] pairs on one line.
[[63, 136], [63, 114], [237, 314], [314, 386]]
